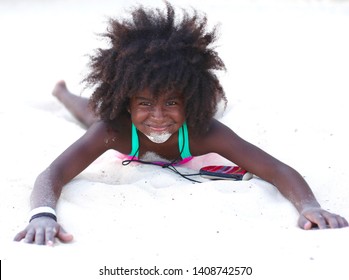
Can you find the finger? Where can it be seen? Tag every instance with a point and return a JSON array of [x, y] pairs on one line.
[[308, 225], [50, 235], [343, 222], [64, 236], [29, 237], [337, 222], [19, 236], [332, 220], [320, 220], [40, 236], [317, 221], [304, 223]]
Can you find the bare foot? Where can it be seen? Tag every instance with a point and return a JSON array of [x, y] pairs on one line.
[[60, 90], [78, 106]]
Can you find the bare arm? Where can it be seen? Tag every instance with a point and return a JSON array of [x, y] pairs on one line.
[[48, 185], [287, 180], [70, 163]]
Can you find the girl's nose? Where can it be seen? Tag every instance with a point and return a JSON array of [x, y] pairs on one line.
[[158, 112]]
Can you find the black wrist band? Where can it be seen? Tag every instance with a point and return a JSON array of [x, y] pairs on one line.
[[49, 215]]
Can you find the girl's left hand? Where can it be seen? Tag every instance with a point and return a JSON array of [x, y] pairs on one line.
[[320, 218]]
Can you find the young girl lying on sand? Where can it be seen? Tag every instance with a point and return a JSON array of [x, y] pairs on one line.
[[155, 91]]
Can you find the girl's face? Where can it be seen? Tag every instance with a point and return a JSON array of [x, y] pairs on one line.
[[157, 117]]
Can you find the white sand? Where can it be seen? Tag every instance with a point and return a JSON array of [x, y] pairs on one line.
[[287, 83]]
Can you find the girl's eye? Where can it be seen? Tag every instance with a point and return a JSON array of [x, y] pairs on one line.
[[145, 104], [171, 103]]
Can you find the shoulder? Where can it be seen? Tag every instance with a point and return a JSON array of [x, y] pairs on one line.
[[217, 137], [99, 138], [224, 141], [110, 135]]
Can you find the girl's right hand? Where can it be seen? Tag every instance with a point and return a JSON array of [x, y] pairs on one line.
[[43, 231]]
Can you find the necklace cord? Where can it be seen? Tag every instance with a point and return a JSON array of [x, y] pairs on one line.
[[169, 165]]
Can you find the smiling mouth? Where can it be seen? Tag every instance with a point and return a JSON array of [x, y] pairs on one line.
[[159, 129]]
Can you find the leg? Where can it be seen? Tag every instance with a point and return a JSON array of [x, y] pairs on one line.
[[76, 105]]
